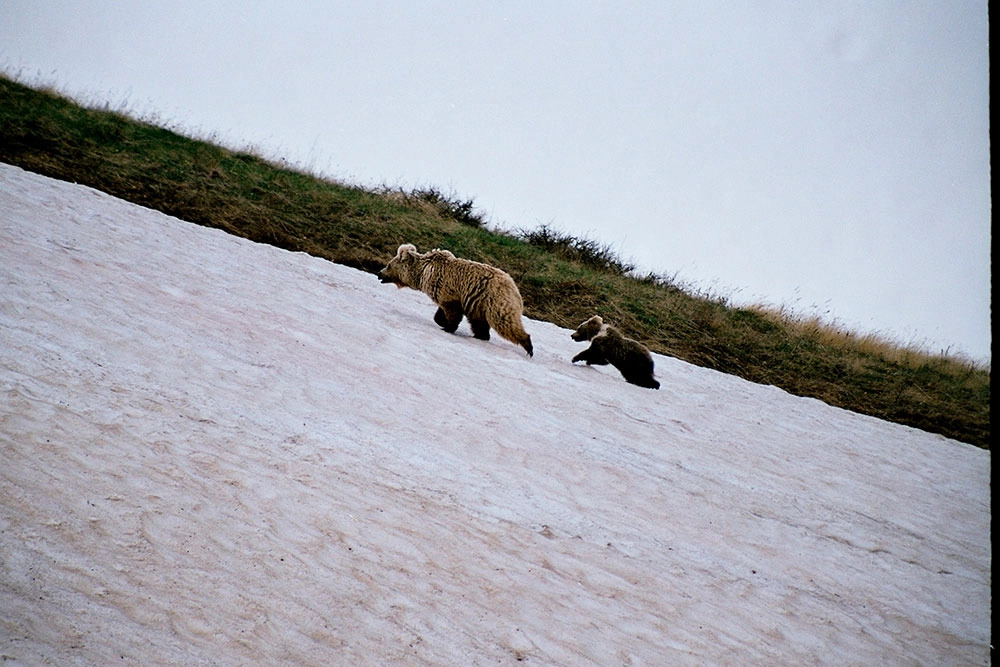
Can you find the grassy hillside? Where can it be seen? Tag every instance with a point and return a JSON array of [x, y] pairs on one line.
[[563, 279]]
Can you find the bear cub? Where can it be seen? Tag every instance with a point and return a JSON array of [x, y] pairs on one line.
[[609, 346], [482, 293]]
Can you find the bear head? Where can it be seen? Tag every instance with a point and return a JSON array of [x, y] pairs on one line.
[[588, 329], [400, 269]]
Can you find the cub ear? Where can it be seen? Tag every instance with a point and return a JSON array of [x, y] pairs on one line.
[[405, 250]]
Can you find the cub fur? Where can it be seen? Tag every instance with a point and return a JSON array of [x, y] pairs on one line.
[[482, 293], [609, 346]]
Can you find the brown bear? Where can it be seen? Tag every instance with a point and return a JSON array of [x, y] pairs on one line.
[[484, 294], [609, 346]]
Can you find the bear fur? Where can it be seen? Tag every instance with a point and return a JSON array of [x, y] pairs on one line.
[[609, 346], [482, 293]]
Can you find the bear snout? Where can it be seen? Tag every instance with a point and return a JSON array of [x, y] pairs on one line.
[[385, 278]]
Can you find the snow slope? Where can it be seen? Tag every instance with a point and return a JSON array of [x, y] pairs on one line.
[[218, 452]]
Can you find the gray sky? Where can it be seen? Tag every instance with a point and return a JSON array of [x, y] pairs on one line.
[[829, 157]]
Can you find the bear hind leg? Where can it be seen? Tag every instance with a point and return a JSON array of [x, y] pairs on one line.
[[642, 377], [526, 344], [648, 382], [512, 329], [480, 329]]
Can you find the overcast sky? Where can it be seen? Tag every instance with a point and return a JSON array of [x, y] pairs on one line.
[[832, 157]]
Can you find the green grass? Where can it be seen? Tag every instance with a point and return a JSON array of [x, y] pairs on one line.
[[563, 279]]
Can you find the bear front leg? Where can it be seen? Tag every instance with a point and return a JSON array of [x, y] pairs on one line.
[[596, 358], [448, 316], [480, 329], [592, 357]]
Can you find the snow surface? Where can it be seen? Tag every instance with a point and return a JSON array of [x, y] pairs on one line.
[[218, 452]]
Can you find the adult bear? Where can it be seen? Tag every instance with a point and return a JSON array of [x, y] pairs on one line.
[[484, 294], [609, 346]]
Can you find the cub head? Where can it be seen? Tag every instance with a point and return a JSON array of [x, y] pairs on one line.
[[588, 329], [399, 270]]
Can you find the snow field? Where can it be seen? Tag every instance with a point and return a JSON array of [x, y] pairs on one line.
[[218, 452]]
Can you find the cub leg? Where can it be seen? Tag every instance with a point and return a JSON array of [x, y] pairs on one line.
[[592, 357]]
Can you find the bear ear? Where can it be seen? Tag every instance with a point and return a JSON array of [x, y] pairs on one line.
[[596, 319], [405, 249]]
